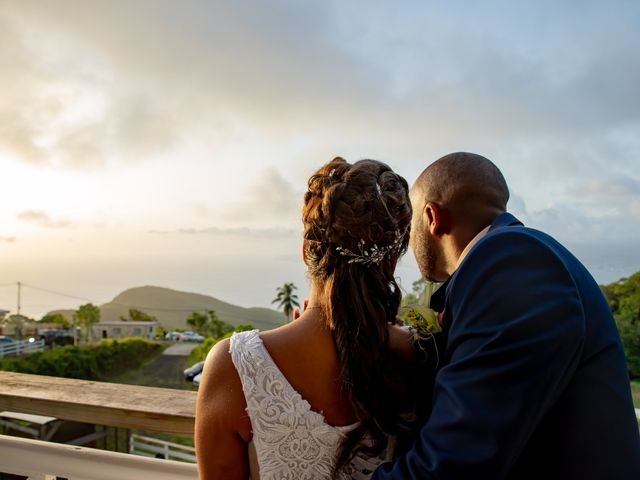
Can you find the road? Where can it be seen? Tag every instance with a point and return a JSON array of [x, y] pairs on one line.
[[165, 370], [180, 349]]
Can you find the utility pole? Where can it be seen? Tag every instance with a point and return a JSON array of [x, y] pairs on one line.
[[18, 316]]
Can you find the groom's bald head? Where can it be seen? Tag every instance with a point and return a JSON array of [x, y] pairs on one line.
[[453, 199], [467, 185]]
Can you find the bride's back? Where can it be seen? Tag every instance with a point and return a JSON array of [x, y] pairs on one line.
[[305, 353], [327, 386]]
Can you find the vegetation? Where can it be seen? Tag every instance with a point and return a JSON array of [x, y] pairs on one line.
[[56, 319], [17, 321], [199, 353], [418, 289], [208, 324], [93, 362], [624, 300], [85, 316], [286, 299], [136, 315], [161, 332], [635, 391]]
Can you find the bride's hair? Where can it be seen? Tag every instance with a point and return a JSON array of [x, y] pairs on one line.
[[356, 225]]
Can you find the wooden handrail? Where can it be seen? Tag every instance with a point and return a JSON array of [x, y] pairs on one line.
[[124, 406]]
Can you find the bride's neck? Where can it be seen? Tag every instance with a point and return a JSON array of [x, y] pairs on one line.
[[315, 299]]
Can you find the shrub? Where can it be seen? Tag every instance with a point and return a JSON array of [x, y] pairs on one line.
[[199, 353], [94, 362]]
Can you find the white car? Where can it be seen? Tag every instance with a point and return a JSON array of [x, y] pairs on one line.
[[196, 379], [191, 337], [184, 337]]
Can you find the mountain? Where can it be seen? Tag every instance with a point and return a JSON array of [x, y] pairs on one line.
[[172, 307]]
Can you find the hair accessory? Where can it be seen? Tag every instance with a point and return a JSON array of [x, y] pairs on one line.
[[332, 172], [375, 254]]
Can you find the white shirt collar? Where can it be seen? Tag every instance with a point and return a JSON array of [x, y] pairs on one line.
[[472, 244]]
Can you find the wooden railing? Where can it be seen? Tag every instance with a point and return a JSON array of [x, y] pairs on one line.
[[123, 406]]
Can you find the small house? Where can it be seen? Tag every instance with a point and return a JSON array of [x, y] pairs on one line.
[[122, 329]]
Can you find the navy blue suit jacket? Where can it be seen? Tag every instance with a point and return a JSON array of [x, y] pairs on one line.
[[534, 383]]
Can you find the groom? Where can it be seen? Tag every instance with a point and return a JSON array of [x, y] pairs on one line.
[[534, 382]]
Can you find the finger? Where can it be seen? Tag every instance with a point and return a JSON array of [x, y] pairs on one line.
[[296, 313]]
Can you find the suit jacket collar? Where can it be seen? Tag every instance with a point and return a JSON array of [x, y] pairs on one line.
[[504, 220], [438, 299]]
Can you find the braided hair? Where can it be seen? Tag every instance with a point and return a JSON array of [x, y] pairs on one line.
[[362, 207]]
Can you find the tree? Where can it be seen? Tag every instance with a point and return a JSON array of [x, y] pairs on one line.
[[286, 299], [418, 286], [17, 321], [56, 319], [208, 324], [85, 316], [138, 316], [624, 300], [198, 322], [161, 332], [244, 327]]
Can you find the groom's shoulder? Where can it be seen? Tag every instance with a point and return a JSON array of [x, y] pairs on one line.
[[513, 257], [517, 242]]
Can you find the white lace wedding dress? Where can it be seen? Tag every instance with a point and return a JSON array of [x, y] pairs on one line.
[[290, 441]]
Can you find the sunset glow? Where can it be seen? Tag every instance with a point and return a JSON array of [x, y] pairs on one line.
[[169, 143]]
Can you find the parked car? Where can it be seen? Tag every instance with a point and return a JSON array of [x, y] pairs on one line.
[[196, 379], [56, 337], [193, 370], [184, 337], [192, 337], [172, 336]]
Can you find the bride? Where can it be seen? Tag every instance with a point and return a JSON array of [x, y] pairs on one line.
[[328, 395]]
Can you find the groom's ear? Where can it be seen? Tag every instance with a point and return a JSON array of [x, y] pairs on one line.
[[436, 219]]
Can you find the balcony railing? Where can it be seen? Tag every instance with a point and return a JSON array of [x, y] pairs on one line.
[[21, 347], [123, 406]]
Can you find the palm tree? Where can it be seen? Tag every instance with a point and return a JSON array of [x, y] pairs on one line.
[[286, 299]]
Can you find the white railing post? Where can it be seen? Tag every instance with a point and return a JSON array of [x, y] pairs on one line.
[[40, 460]]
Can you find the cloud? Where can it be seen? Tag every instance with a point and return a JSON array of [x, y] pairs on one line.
[[406, 82], [63, 108], [42, 219], [634, 209], [545, 90], [269, 198], [239, 231]]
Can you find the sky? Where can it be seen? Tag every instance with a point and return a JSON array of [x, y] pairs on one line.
[[169, 143]]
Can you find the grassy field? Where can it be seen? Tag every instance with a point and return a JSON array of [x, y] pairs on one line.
[[164, 371], [635, 390]]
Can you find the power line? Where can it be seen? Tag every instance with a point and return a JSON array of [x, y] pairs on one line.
[[46, 290], [84, 299]]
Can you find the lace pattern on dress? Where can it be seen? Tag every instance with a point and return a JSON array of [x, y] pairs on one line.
[[292, 441]]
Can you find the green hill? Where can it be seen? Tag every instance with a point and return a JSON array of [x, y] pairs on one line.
[[172, 307]]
